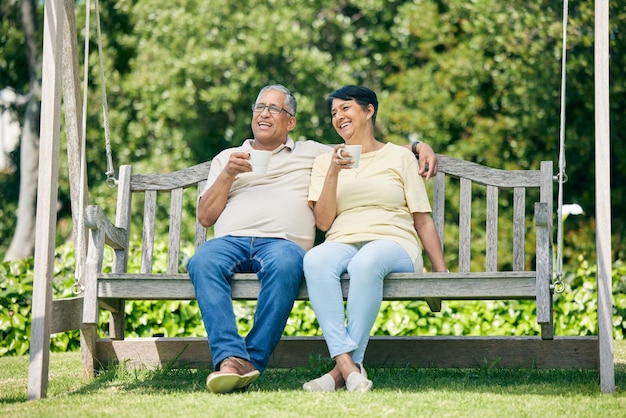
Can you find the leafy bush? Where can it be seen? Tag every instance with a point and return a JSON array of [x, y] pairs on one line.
[[16, 280], [575, 310], [16, 288]]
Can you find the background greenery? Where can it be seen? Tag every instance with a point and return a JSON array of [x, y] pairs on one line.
[[477, 80]]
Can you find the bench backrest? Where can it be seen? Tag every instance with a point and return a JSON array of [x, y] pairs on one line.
[[458, 186], [179, 187], [480, 185]]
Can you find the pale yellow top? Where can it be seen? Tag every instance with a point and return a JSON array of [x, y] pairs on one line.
[[272, 205], [376, 200]]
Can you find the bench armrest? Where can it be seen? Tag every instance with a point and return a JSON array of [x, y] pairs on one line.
[[101, 232], [114, 237]]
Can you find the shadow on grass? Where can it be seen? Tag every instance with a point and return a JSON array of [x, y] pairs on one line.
[[547, 382], [146, 380]]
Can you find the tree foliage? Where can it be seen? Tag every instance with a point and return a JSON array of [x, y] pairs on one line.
[[478, 80], [13, 61]]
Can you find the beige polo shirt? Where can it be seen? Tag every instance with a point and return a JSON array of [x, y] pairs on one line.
[[271, 205]]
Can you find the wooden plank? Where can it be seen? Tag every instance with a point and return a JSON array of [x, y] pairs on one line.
[[544, 263], [419, 352], [182, 178], [454, 167], [465, 225], [72, 105], [114, 237], [111, 305], [602, 109], [397, 286], [519, 228], [88, 350], [491, 227], [120, 258], [489, 176], [147, 240], [47, 190], [447, 287], [176, 216], [122, 215], [92, 266], [500, 352], [200, 230], [116, 317], [439, 205], [67, 314], [546, 193]]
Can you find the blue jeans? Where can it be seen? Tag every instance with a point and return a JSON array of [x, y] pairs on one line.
[[278, 265], [367, 266]]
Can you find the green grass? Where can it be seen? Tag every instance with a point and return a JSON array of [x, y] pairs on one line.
[[481, 392]]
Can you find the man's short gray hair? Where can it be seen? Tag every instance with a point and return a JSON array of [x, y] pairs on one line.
[[290, 103]]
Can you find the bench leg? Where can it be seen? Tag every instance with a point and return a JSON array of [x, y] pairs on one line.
[[88, 337], [116, 317], [547, 328]]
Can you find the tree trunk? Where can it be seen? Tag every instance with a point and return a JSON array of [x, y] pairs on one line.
[[23, 242]]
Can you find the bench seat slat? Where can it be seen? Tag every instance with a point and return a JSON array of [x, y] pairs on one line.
[[397, 286]]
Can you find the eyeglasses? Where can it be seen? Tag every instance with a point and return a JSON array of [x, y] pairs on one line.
[[273, 109]]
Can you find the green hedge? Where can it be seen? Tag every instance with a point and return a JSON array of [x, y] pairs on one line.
[[575, 311]]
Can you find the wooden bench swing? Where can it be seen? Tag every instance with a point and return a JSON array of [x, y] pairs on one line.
[[474, 195], [529, 275]]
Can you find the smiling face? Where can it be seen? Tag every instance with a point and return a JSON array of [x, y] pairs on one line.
[[271, 130], [351, 120]]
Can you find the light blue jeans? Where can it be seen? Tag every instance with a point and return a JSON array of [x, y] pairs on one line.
[[367, 264], [278, 265]]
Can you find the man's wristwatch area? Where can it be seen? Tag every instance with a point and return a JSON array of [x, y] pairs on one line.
[[414, 148]]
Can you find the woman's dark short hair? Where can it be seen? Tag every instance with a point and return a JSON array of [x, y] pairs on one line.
[[362, 95]]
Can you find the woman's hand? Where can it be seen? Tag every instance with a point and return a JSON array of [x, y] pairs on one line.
[[337, 164]]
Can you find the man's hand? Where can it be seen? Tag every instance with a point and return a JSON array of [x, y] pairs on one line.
[[428, 161], [239, 162], [213, 202]]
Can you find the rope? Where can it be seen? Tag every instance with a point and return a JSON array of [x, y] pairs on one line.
[[78, 287], [561, 176], [111, 181]]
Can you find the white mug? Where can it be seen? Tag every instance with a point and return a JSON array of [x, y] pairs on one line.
[[354, 150], [260, 160]]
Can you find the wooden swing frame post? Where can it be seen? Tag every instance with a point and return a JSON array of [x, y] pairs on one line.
[[60, 74]]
